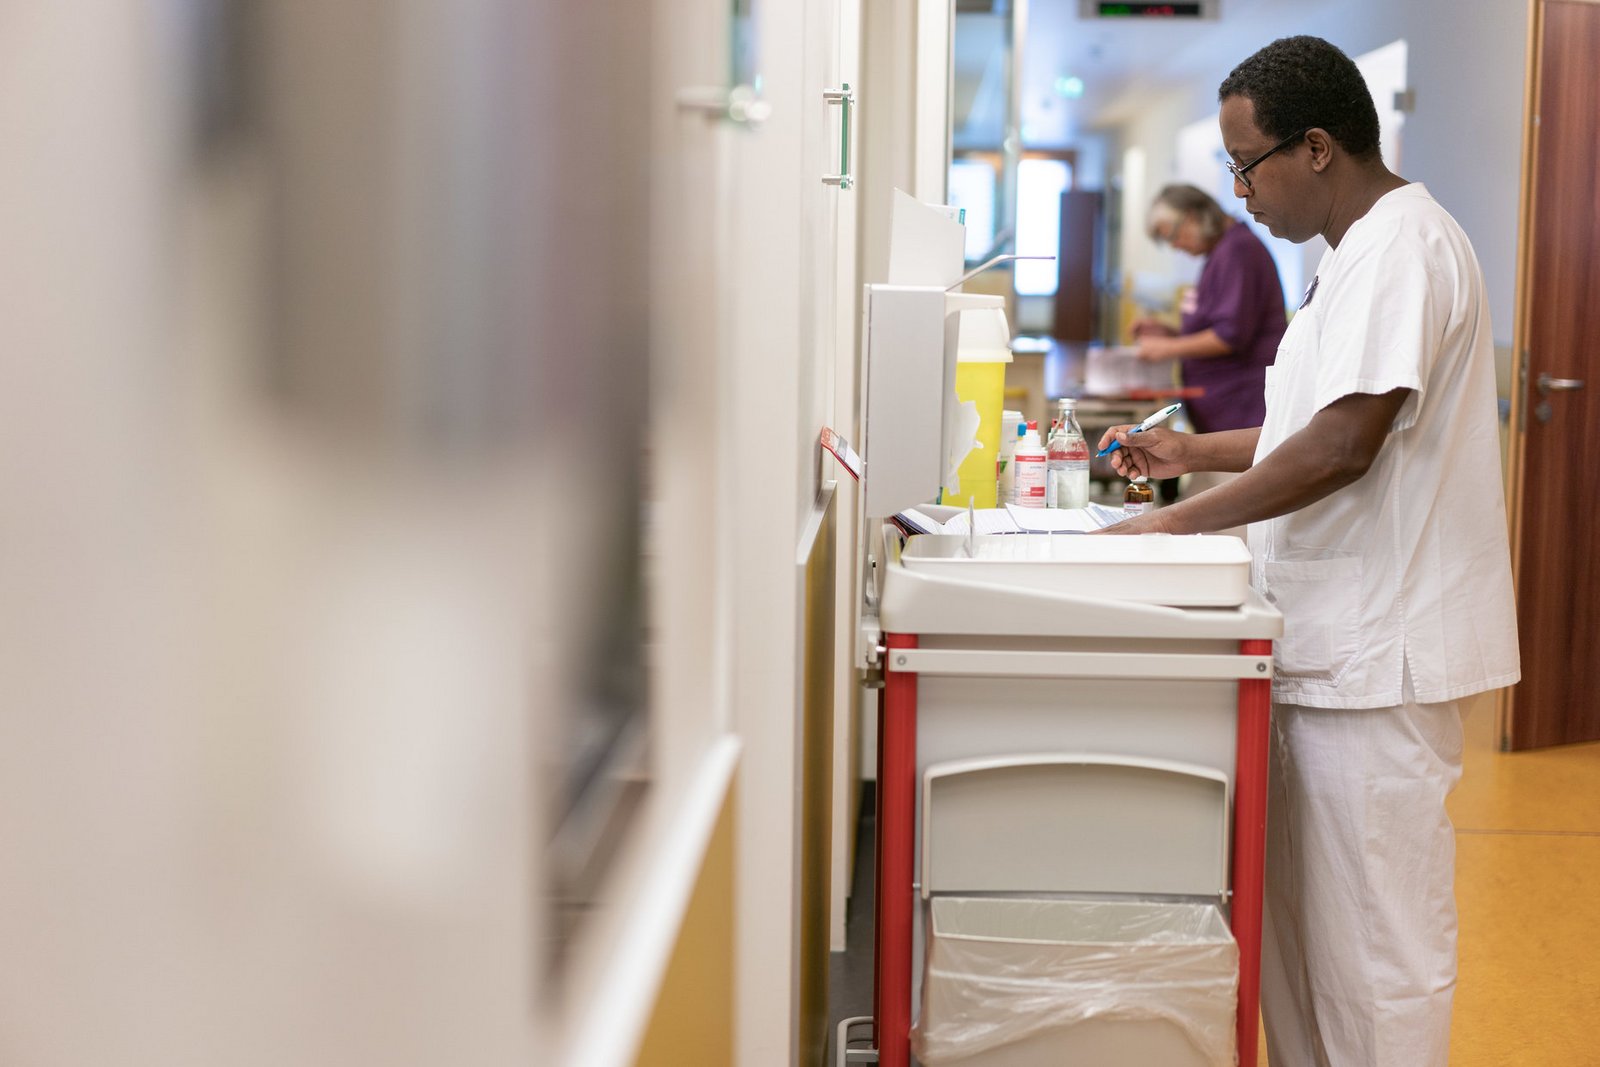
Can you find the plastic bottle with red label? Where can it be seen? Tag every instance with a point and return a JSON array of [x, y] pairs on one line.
[[1031, 463]]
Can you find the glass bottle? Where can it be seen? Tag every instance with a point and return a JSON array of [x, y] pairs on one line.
[[1049, 478], [1139, 498], [1068, 462]]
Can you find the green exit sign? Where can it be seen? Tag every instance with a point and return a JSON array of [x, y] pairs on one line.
[[1152, 11]]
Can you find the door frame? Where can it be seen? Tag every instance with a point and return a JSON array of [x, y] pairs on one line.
[[1505, 699]]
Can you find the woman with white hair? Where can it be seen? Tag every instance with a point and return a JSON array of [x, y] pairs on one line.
[[1233, 319]]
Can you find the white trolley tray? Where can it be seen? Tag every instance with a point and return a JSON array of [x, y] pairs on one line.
[[1189, 571]]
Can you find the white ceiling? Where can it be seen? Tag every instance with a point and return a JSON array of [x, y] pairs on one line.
[[1124, 63]]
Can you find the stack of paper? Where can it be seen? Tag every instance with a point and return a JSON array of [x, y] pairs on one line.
[[1012, 519]]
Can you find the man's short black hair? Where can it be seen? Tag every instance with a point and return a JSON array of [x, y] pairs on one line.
[[1299, 82]]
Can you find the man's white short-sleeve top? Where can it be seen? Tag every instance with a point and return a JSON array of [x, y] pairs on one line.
[[1408, 568]]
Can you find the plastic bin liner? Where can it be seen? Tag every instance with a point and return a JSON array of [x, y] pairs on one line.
[[1003, 969]]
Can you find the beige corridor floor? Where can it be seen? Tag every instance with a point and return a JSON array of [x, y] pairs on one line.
[[1528, 891]]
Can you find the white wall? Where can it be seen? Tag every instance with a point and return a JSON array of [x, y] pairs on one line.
[[905, 119], [599, 1013], [266, 678], [279, 683], [779, 303]]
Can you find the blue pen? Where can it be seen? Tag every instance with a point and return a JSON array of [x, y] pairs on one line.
[[1154, 420]]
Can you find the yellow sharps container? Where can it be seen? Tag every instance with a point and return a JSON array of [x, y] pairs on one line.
[[982, 353]]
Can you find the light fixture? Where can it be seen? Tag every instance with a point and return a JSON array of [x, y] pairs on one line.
[[1069, 86]]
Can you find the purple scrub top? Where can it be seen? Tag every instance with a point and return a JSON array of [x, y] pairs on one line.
[[1240, 297]]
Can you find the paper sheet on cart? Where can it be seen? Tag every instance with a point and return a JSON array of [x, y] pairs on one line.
[[1012, 519], [983, 521], [1063, 520]]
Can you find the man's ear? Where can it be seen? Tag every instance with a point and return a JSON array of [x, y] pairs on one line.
[[1321, 145]]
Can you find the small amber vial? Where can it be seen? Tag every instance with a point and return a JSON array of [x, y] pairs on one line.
[[1139, 497]]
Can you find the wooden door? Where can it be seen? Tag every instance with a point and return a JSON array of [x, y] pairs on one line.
[[1075, 265], [1556, 409]]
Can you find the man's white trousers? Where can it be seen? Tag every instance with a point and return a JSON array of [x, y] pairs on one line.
[[1359, 933]]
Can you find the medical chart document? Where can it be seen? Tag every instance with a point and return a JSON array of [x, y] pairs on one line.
[[1010, 519]]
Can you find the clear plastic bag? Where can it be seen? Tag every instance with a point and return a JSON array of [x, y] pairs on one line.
[[1001, 971]]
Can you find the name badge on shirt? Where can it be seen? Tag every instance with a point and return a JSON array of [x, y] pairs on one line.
[[1311, 290]]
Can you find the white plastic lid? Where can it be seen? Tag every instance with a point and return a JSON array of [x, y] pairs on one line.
[[1074, 822], [985, 336]]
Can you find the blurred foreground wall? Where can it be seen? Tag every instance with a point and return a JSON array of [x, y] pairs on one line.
[[301, 307]]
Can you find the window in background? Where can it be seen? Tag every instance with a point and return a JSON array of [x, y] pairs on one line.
[[974, 181], [1041, 179]]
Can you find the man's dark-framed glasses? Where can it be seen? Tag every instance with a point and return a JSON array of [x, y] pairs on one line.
[[1239, 170]]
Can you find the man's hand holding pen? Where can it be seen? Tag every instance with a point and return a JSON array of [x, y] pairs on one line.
[[1154, 453]]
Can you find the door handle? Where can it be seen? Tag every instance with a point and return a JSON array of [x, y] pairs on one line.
[[1548, 384], [844, 98], [739, 105]]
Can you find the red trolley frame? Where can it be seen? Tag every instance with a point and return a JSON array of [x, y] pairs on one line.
[[894, 898]]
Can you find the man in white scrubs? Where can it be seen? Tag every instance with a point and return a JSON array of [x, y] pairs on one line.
[[1378, 528]]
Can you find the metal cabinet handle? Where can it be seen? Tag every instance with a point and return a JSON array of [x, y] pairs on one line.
[[739, 105], [843, 97], [1548, 384]]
